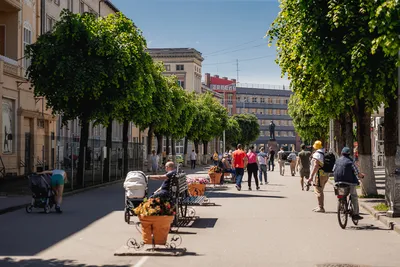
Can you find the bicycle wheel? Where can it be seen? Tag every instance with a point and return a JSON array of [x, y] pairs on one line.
[[355, 222], [342, 213]]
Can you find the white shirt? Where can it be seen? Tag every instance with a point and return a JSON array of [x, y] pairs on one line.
[[193, 156], [319, 155]]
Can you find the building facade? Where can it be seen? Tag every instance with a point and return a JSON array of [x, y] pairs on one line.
[[27, 127], [225, 87], [184, 63], [268, 103]]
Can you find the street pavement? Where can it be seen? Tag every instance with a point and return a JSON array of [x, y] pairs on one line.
[[270, 227]]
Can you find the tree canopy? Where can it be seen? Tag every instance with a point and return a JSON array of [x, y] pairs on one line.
[[249, 128]]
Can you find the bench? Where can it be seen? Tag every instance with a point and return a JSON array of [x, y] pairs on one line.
[[181, 199]]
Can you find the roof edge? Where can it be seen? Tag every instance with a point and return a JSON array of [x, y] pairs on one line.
[[112, 6]]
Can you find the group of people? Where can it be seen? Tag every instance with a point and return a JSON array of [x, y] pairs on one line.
[[345, 171]]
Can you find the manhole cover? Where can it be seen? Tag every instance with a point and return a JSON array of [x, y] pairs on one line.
[[341, 265]]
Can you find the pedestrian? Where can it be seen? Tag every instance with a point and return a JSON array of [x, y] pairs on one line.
[[292, 160], [281, 161], [215, 158], [271, 161], [319, 177], [252, 168], [239, 162], [58, 179], [303, 166], [154, 161], [262, 165], [193, 158]]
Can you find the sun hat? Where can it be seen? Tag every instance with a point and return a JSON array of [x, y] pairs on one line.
[[317, 145]]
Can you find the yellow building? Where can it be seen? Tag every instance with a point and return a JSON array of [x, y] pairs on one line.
[[27, 128]]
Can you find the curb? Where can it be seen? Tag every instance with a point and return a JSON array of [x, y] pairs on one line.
[[67, 194], [380, 216]]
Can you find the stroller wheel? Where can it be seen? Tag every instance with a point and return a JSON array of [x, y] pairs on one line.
[[29, 208], [47, 209], [127, 217]]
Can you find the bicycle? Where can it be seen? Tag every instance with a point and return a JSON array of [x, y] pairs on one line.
[[345, 205]]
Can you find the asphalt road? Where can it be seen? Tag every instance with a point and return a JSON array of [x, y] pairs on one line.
[[271, 227]]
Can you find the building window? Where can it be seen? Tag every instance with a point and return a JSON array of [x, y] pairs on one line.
[[2, 40], [254, 100], [179, 67], [230, 99], [246, 99], [50, 23], [57, 2], [269, 100], [81, 7], [238, 99], [269, 111], [262, 100], [261, 133], [40, 123], [70, 5], [278, 112], [8, 125], [27, 41], [167, 67], [181, 84], [286, 101]]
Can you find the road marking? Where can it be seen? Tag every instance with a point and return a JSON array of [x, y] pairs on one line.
[[141, 261]]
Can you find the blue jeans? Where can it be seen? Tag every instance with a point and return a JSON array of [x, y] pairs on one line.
[[261, 171], [239, 176]]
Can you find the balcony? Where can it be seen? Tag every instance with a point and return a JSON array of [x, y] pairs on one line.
[[10, 6], [9, 67]]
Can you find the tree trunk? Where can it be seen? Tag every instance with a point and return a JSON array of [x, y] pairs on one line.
[[205, 150], [159, 143], [349, 132], [340, 133], [82, 145], [125, 141], [149, 146], [196, 149], [390, 144], [363, 118], [173, 150], [185, 151], [106, 170], [167, 145]]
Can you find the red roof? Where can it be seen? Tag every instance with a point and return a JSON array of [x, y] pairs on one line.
[[220, 81]]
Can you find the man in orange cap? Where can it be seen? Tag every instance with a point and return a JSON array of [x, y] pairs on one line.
[[319, 177]]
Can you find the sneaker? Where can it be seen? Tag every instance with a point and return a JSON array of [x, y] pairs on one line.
[[238, 188], [58, 210], [318, 209], [261, 183], [250, 189], [258, 188], [357, 217]]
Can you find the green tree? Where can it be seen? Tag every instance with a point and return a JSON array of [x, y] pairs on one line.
[[249, 128], [325, 48], [233, 133], [68, 69]]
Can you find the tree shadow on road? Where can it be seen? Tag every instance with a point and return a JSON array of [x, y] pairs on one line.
[[240, 195], [368, 227], [11, 262]]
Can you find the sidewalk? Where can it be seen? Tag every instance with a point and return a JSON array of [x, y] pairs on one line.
[[368, 204], [12, 202]]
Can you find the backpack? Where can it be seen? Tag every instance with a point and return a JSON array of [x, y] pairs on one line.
[[284, 156], [329, 161]]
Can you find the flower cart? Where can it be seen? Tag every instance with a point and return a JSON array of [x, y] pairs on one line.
[[156, 216]]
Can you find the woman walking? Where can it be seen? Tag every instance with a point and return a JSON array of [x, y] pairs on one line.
[[252, 167]]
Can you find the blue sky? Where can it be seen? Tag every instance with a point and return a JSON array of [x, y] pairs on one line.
[[221, 30]]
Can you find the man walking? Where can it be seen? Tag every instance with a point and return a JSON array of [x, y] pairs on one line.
[[346, 172], [303, 162], [262, 161], [271, 159], [239, 162], [193, 157], [319, 177], [281, 161]]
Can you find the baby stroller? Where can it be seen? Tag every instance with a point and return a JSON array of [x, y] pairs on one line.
[[42, 193], [136, 187]]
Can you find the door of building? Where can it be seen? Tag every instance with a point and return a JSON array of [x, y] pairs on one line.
[[27, 153], [2, 40]]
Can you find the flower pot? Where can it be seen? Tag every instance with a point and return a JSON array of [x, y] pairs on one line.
[[161, 226], [215, 178], [197, 189]]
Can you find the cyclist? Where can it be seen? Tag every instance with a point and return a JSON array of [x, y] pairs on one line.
[[346, 172]]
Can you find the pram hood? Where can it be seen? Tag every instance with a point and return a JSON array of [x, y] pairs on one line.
[[39, 182], [135, 184]]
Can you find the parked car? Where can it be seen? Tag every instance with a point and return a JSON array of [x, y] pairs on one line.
[[179, 159]]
